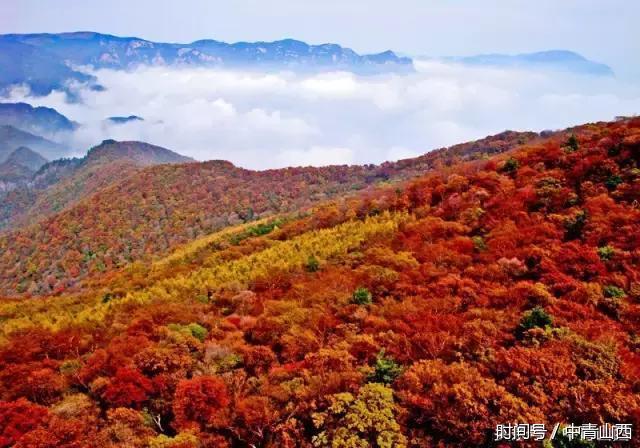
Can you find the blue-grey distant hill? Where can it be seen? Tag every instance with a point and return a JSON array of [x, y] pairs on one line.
[[36, 67], [36, 120], [123, 120], [26, 157], [561, 60], [46, 61], [19, 167], [12, 138]]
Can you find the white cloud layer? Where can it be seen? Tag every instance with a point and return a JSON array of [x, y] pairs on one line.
[[267, 120]]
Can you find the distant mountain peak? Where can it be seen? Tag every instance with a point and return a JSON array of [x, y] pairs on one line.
[[561, 60], [138, 152], [27, 157], [558, 53], [12, 138], [19, 168], [39, 120]]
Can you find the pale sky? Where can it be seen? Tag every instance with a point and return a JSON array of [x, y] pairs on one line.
[[605, 30]]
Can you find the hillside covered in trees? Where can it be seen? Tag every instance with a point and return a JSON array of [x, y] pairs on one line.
[[419, 313], [131, 201]]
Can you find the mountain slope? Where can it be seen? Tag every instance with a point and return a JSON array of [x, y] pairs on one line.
[[35, 120], [135, 214], [60, 184], [27, 158], [19, 168], [140, 153], [12, 138], [40, 70], [13, 173], [502, 289]]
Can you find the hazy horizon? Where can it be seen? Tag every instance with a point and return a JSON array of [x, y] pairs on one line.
[[330, 118], [340, 117], [604, 32]]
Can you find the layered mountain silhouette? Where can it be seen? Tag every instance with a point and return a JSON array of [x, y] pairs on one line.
[[12, 138], [31, 187], [60, 183], [42, 121]]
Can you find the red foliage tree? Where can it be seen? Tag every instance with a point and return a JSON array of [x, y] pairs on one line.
[[201, 403], [17, 418], [128, 388]]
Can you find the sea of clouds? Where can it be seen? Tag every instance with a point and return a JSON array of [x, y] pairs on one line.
[[269, 120]]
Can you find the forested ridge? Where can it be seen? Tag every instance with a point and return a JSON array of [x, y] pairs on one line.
[[417, 313], [62, 183], [113, 211]]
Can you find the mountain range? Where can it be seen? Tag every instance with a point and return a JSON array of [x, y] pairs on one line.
[[44, 61], [47, 62], [12, 138], [28, 181]]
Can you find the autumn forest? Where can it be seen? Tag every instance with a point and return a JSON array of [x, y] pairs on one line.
[[410, 304]]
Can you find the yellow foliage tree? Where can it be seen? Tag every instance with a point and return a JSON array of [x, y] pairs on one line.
[[360, 422]]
